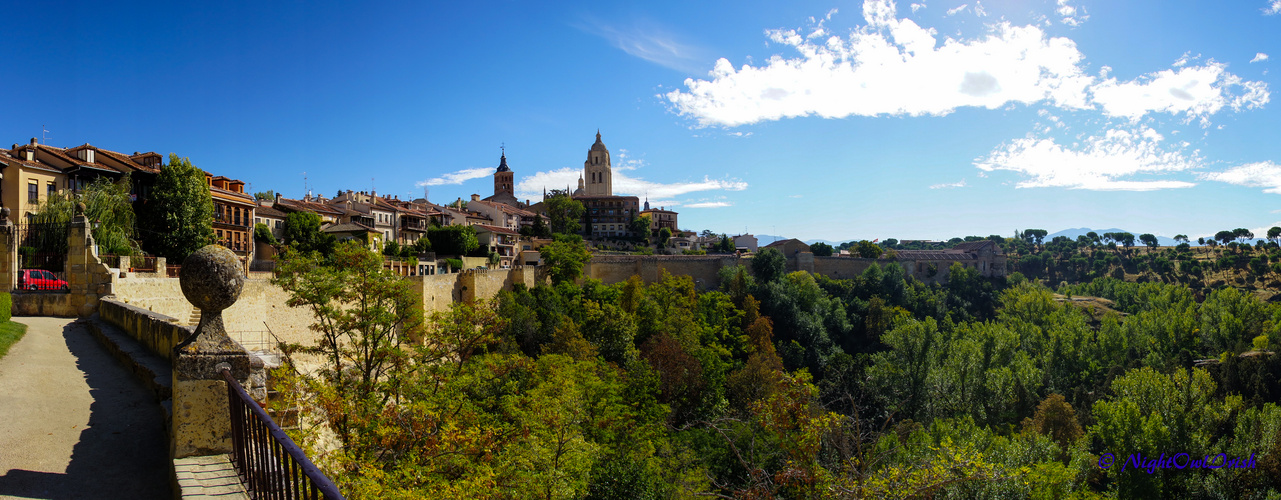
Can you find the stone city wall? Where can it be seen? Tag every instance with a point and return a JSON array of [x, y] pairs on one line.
[[705, 269], [263, 308]]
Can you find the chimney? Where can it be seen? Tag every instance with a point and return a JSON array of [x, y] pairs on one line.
[[277, 197], [475, 197]]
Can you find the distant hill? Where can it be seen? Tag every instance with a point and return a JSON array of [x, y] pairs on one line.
[[1080, 231]]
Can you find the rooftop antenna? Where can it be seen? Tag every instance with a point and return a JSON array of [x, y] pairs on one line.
[[305, 189], [45, 134]]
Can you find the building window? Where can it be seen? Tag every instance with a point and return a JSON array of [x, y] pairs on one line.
[[33, 193], [52, 189]]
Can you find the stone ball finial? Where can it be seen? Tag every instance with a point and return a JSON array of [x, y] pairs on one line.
[[211, 278], [4, 212], [80, 208]]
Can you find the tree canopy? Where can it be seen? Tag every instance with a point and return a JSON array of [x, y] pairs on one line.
[[178, 217], [564, 212], [302, 232]]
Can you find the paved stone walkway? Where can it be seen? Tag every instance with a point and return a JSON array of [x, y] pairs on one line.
[[74, 423]]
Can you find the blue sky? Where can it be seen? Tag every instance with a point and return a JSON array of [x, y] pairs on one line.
[[834, 120]]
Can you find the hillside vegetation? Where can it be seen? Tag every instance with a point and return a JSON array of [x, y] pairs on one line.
[[794, 385]]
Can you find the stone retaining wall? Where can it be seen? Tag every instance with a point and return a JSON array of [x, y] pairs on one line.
[[159, 333]]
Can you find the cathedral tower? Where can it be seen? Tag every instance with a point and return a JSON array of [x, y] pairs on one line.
[[596, 170]]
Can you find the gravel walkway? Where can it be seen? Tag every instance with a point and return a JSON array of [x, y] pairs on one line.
[[74, 423]]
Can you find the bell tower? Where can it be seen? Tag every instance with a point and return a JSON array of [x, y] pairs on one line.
[[503, 178], [597, 172]]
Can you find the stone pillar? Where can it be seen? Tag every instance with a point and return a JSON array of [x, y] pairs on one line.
[[162, 269], [8, 252], [212, 280]]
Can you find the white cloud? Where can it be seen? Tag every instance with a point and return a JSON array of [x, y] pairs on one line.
[[890, 67], [1071, 15], [1260, 57], [531, 186], [1264, 174], [1108, 163], [917, 6], [1184, 59], [979, 10], [1274, 7], [895, 67], [949, 185], [458, 177], [709, 204], [1196, 91], [957, 10], [651, 43]]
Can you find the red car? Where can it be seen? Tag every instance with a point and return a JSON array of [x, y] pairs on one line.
[[39, 279]]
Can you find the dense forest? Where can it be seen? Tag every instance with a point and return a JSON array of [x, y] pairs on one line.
[[794, 385]]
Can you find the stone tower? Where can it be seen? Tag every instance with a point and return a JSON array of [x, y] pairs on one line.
[[596, 170], [503, 179]]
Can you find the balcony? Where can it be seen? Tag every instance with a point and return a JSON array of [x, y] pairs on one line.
[[413, 225]]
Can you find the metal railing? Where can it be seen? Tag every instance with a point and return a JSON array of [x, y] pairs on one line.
[[268, 462]]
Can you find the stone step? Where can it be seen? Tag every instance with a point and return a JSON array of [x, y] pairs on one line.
[[153, 371]]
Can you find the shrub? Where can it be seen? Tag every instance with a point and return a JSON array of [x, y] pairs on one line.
[[6, 307], [454, 264]]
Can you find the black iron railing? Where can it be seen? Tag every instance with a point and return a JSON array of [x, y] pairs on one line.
[[269, 463]]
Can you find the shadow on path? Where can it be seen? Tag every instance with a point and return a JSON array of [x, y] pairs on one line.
[[122, 453]]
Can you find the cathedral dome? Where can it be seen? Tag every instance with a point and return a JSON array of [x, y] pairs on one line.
[[599, 146]]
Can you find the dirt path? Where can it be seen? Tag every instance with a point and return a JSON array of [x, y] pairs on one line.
[[74, 423]]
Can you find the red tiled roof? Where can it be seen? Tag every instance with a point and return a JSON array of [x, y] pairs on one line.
[[933, 255], [496, 229], [266, 211]]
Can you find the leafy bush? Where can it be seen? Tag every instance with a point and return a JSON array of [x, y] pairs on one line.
[[263, 233], [454, 264], [6, 307]]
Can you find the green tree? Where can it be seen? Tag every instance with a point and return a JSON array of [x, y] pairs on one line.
[[1274, 234], [769, 265], [868, 250], [1242, 234], [726, 244], [108, 209], [263, 233], [821, 249], [422, 245], [564, 258], [1148, 239], [178, 218], [453, 240], [265, 195], [391, 249], [302, 232], [538, 229], [641, 226], [365, 315], [1035, 236], [565, 213], [664, 235]]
